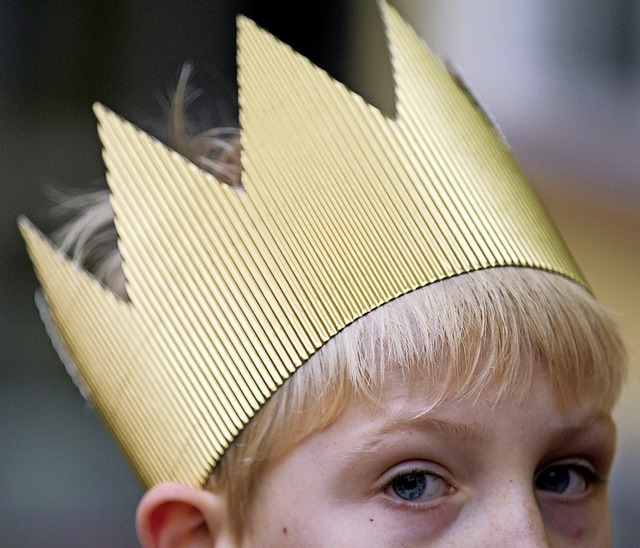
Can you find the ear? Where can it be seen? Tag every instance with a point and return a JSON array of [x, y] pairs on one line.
[[175, 515]]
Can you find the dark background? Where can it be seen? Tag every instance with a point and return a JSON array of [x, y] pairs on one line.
[[62, 480]]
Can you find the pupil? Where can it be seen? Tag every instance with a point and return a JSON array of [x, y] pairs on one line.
[[555, 480], [410, 486]]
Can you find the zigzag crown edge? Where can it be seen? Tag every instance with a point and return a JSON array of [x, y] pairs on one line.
[[343, 210]]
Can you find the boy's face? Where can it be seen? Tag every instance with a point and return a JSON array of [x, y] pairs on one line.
[[520, 474]]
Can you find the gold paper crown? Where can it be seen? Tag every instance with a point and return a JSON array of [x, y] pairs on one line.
[[343, 210]]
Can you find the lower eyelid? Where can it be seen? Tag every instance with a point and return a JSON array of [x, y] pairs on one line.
[[439, 504]]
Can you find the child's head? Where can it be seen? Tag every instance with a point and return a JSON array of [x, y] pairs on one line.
[[379, 340], [476, 349]]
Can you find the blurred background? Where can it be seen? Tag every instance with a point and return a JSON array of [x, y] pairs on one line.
[[561, 78]]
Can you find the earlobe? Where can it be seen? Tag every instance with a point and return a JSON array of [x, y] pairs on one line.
[[174, 515]]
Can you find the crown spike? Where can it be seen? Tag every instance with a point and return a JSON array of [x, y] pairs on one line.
[[343, 210]]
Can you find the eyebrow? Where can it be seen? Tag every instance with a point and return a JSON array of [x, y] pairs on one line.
[[584, 426], [465, 432], [473, 431]]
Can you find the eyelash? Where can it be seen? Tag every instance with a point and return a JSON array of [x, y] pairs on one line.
[[396, 499], [587, 474]]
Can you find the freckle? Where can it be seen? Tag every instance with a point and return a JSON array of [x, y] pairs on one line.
[[284, 531]]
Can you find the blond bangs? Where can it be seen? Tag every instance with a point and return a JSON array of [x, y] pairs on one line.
[[482, 335]]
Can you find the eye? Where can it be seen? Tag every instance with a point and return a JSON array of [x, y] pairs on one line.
[[417, 486], [566, 479]]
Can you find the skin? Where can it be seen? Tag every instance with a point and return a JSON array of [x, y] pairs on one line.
[[464, 474], [517, 475]]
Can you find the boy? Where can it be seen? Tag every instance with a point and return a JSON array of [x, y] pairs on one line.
[[378, 339]]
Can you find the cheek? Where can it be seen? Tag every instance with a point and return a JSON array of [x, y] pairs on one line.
[[366, 525], [584, 524], [289, 506], [406, 527]]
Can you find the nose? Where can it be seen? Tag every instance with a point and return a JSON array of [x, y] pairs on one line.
[[508, 517]]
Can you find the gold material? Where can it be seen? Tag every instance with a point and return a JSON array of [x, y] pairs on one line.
[[343, 210]]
